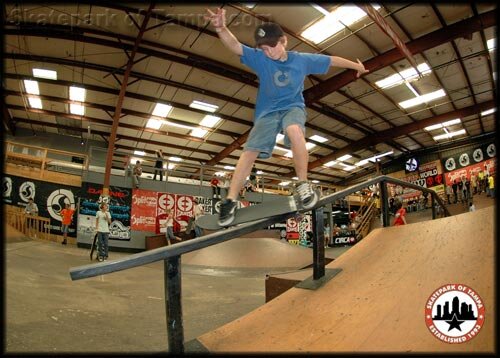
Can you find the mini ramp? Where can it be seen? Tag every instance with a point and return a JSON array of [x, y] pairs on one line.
[[377, 302], [251, 253]]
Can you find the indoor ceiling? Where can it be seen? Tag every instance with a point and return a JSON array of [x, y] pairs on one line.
[[162, 53]]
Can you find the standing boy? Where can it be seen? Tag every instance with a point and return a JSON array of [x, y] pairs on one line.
[[102, 222], [279, 106], [66, 219]]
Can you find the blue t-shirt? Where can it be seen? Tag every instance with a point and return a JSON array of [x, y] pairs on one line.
[[282, 83]]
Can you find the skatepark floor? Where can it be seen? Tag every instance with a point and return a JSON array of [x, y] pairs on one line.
[[122, 312]]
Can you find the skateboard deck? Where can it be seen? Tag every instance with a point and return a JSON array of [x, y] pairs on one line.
[[278, 206], [93, 247]]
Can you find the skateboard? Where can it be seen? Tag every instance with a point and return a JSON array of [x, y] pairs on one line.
[[94, 248], [280, 205]]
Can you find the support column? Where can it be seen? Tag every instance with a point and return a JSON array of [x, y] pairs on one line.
[[173, 304]]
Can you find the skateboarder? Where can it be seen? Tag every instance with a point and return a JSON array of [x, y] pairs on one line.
[[279, 106]]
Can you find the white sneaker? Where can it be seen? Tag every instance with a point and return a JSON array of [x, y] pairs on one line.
[[307, 195]]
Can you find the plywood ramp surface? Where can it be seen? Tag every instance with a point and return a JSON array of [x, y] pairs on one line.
[[251, 253], [376, 304]]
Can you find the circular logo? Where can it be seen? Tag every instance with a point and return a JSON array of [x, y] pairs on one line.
[[281, 79], [411, 165], [166, 201], [184, 203], [7, 187], [57, 200], [464, 159], [477, 155], [450, 164], [491, 150], [27, 190], [454, 313]]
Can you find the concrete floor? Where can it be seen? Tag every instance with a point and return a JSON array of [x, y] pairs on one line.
[[121, 312]]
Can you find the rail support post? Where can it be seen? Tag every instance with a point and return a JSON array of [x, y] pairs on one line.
[[318, 244], [384, 200], [173, 304]]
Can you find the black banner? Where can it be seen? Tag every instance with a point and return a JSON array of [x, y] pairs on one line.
[[49, 197], [469, 157], [119, 207]]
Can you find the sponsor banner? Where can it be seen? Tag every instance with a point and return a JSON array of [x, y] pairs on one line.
[[120, 201], [143, 214], [487, 165], [50, 198], [469, 157]]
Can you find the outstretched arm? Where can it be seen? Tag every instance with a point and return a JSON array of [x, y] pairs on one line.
[[218, 20], [344, 63]]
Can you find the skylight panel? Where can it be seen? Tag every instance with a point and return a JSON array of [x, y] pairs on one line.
[[35, 102], [330, 163], [492, 44], [449, 135], [318, 138], [209, 121], [77, 109], [31, 87], [77, 93], [198, 132], [310, 146], [154, 123], [162, 110], [344, 157], [489, 111], [139, 152]]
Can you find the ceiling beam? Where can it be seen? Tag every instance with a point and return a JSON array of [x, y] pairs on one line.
[[426, 42]]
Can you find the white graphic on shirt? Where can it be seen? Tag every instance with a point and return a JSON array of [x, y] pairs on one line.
[[281, 79]]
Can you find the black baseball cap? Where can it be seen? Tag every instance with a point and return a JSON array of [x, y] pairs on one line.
[[268, 34]]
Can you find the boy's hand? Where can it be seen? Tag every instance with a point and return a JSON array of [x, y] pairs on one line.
[[361, 69], [218, 19]]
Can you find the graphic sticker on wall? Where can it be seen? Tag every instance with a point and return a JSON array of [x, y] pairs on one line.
[[450, 164], [491, 150], [464, 159], [478, 155]]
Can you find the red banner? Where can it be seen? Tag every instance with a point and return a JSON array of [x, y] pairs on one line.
[[486, 166], [143, 212], [182, 207]]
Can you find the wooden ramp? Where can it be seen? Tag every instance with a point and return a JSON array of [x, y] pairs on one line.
[[377, 302]]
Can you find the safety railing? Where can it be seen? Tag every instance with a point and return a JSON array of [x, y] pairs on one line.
[[35, 227], [171, 255]]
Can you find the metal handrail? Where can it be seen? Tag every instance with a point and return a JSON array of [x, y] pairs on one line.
[[172, 254]]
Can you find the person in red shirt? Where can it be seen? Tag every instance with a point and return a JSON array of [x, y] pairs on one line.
[[66, 219], [400, 216]]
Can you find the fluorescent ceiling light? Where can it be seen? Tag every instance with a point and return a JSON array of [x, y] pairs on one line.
[[154, 123], [384, 154], [220, 174], [77, 93], [489, 111], [162, 110], [173, 124], [260, 172], [333, 22], [209, 121], [444, 124], [171, 166], [281, 148], [31, 87], [139, 152], [175, 159], [404, 76], [318, 138], [229, 167], [422, 99], [349, 167], [344, 157], [250, 5], [315, 181], [492, 44], [330, 163], [284, 183], [35, 102], [289, 154], [76, 109], [449, 135], [198, 132], [362, 162], [40, 72], [204, 106], [295, 178]]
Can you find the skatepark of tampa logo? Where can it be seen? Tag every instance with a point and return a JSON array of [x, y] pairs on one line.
[[454, 313]]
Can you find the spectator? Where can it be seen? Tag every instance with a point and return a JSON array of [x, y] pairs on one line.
[[159, 164], [400, 216], [169, 224], [454, 186], [491, 185], [472, 207], [31, 208], [127, 167], [480, 181], [215, 184], [473, 182], [102, 222], [448, 192], [66, 220], [198, 211], [137, 173]]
